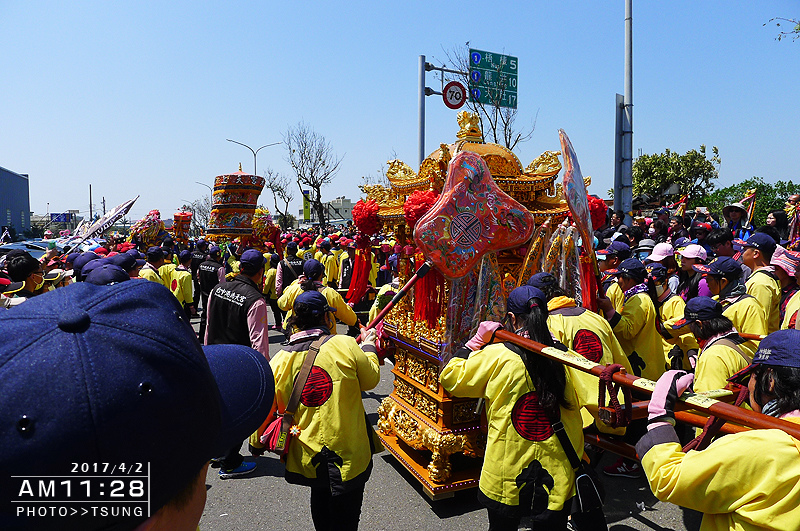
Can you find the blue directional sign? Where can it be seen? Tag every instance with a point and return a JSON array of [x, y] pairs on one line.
[[493, 78]]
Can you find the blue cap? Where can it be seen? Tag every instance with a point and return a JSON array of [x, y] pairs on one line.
[[214, 249], [657, 272], [252, 258], [759, 240], [683, 241], [71, 257], [542, 280], [779, 349], [184, 255], [616, 248], [91, 266], [721, 266], [313, 269], [84, 259], [125, 261], [632, 268], [519, 300], [662, 210], [291, 247], [154, 254], [135, 253], [315, 301], [106, 274], [699, 309], [115, 374]]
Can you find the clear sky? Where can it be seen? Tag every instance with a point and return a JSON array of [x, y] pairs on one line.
[[139, 97]]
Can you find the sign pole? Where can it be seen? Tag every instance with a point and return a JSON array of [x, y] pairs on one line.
[[421, 105]]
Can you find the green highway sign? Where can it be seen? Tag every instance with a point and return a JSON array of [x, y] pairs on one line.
[[493, 78]]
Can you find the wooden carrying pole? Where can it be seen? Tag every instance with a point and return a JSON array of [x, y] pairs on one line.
[[708, 402]]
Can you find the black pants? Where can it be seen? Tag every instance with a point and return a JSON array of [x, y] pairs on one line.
[[277, 313], [203, 317], [550, 520], [232, 458], [337, 513]]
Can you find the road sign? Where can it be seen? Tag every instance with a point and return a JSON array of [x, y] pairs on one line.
[[493, 78], [64, 217], [454, 95]]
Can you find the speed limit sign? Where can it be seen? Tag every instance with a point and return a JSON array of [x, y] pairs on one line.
[[454, 95]]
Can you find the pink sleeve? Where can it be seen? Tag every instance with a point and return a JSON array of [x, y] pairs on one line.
[[279, 280], [221, 274], [257, 325]]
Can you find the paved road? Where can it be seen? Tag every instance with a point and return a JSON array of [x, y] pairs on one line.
[[394, 500]]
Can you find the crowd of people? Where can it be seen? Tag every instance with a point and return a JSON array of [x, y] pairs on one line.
[[681, 301]]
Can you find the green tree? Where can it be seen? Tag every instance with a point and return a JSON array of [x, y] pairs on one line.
[[769, 197], [693, 172]]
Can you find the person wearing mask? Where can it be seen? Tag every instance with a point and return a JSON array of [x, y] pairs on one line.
[[22, 267], [741, 481], [525, 395], [290, 268], [332, 452], [237, 314], [608, 260], [745, 312], [679, 345], [311, 280], [763, 284], [589, 335], [690, 284]]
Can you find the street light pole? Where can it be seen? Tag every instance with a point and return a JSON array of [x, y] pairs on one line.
[[255, 152]]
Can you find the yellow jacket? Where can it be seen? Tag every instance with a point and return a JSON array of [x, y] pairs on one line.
[[742, 482], [791, 308], [166, 273], [181, 285], [498, 374], [616, 295], [269, 283], [717, 363], [670, 312], [747, 316], [331, 268], [635, 327], [767, 291], [148, 272], [589, 335], [331, 414], [342, 310]]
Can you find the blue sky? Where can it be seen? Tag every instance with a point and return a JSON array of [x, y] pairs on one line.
[[139, 97]]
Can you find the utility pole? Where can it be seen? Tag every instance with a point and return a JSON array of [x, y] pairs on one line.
[[254, 151], [104, 205], [627, 119], [91, 212]]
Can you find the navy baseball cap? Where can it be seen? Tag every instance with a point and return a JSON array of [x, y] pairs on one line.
[[135, 253], [115, 374], [291, 247], [125, 261], [71, 257], [721, 266], [631, 267], [657, 272], [184, 255], [699, 309], [106, 274], [778, 349], [91, 266], [154, 254], [519, 299], [662, 210], [315, 301], [214, 249], [252, 258], [760, 241], [616, 248], [542, 280], [683, 241], [313, 268], [84, 259]]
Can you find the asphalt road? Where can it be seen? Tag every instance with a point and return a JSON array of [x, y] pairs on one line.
[[394, 499]]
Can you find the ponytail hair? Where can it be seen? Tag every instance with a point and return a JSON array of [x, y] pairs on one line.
[[549, 377]]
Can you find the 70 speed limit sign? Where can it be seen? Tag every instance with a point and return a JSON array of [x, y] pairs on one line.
[[454, 95]]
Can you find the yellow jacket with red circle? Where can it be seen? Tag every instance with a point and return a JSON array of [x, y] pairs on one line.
[[520, 435]]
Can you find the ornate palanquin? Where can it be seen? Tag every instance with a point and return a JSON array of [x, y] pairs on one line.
[[234, 202], [419, 423]]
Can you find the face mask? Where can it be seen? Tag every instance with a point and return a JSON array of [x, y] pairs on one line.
[[660, 290], [40, 284]]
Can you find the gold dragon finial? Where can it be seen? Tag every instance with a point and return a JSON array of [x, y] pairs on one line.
[[240, 166], [546, 164], [470, 127]]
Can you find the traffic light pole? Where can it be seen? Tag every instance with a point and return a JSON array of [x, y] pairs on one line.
[[427, 91]]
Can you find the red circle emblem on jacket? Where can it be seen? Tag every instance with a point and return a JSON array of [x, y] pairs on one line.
[[174, 284], [318, 388], [588, 345], [530, 420]]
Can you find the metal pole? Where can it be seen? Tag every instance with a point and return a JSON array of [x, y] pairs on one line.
[[91, 212], [421, 104], [627, 143], [618, 110], [254, 152]]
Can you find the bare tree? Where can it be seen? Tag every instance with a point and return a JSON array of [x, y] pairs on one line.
[[201, 213], [281, 189], [500, 120], [379, 177], [311, 157]]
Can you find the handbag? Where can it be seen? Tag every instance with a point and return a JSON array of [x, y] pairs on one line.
[[589, 492], [279, 434]]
